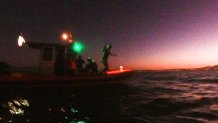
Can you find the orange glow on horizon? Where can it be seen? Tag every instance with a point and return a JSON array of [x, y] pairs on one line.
[[168, 67]]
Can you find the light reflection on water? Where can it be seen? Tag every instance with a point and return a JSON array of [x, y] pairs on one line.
[[63, 105], [13, 108], [37, 108]]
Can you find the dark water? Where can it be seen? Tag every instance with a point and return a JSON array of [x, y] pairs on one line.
[[176, 96]]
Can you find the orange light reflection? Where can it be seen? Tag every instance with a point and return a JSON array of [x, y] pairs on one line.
[[117, 71]]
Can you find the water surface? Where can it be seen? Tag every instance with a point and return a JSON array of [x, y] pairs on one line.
[[166, 96]]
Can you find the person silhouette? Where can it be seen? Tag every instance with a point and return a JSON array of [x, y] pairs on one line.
[[79, 64], [91, 67], [106, 52]]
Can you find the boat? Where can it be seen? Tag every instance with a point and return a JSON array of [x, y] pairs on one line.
[[57, 67]]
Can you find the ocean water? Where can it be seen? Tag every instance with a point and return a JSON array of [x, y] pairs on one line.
[[145, 97]]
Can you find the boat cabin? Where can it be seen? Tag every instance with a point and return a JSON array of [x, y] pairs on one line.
[[55, 59]]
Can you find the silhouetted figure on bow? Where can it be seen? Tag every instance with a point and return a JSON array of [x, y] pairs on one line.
[[106, 52]]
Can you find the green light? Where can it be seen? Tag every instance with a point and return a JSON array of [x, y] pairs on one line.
[[81, 122], [77, 47]]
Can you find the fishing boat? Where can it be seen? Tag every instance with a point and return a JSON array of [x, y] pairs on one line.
[[57, 67]]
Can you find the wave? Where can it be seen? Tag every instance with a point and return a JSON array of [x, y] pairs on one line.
[[201, 80], [178, 76], [161, 108], [174, 96]]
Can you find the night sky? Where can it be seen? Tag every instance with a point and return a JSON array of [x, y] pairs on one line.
[[145, 34]]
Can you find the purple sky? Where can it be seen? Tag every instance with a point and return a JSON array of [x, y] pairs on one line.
[[146, 34]]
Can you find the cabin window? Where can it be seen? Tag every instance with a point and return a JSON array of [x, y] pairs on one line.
[[47, 53]]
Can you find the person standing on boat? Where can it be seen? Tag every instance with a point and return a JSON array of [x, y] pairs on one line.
[[79, 64], [106, 52]]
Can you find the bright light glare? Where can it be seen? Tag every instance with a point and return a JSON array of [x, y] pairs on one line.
[[24, 102], [15, 106], [77, 47], [21, 41], [121, 68], [14, 110], [65, 36]]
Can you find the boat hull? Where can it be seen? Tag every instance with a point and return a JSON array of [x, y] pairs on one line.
[[55, 81]]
